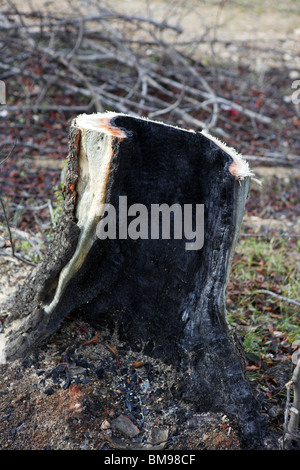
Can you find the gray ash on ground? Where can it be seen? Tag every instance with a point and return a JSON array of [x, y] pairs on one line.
[[85, 390]]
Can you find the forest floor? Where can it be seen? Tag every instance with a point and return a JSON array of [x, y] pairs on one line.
[[85, 390]]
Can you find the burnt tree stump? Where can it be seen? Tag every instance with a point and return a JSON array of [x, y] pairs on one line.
[[164, 295]]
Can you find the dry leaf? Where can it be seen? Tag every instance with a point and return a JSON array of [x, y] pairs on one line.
[[113, 349], [137, 364], [94, 340]]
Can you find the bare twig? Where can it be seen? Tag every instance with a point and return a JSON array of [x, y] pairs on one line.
[[91, 18], [14, 254], [9, 153], [279, 297], [76, 72]]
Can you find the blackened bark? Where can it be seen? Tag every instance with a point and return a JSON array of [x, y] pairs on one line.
[[163, 299]]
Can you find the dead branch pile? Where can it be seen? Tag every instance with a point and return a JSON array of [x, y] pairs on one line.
[[99, 59]]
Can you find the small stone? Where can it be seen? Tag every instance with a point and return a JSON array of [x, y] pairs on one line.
[[105, 425], [85, 445], [125, 426], [74, 370], [274, 411], [158, 435], [201, 420], [145, 386], [294, 74]]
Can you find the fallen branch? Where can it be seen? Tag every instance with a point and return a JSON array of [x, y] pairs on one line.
[[103, 16], [280, 297], [14, 254], [114, 65], [9, 154]]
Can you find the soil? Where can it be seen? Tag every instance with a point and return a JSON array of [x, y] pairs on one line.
[[85, 390], [83, 394]]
